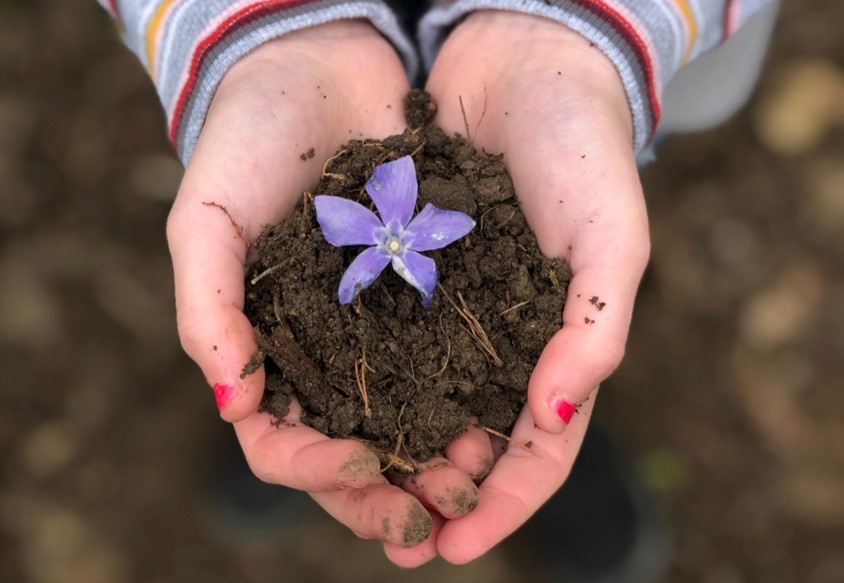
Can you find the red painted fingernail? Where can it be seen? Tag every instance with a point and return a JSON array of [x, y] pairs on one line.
[[223, 393], [564, 408]]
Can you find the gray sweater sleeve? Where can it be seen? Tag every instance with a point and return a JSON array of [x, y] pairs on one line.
[[648, 41], [188, 45]]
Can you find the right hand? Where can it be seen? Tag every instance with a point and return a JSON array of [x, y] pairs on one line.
[[314, 88], [556, 107]]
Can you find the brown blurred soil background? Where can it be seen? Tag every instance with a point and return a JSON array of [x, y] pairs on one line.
[[729, 401]]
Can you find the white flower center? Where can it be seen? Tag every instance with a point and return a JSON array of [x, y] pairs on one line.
[[393, 245]]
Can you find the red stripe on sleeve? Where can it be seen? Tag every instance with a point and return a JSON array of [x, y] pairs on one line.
[[229, 25], [112, 7], [629, 33], [728, 20]]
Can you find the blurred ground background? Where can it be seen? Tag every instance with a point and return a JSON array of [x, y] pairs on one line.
[[730, 399]]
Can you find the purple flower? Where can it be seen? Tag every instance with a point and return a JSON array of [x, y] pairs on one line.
[[394, 238]]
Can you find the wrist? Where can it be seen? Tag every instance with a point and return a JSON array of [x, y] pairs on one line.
[[503, 50], [318, 47]]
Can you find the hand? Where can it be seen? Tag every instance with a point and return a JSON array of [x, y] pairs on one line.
[[556, 108], [311, 89]]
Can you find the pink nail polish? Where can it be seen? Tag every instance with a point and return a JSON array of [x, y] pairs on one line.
[[564, 408], [223, 394]]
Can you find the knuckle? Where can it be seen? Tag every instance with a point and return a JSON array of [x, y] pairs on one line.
[[261, 468], [190, 334], [607, 357]]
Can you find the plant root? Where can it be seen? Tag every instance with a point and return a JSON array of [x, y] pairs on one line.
[[330, 160], [510, 440], [516, 307], [269, 271], [360, 378]]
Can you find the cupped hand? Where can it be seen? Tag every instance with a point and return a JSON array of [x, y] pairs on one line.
[[308, 91], [555, 106]]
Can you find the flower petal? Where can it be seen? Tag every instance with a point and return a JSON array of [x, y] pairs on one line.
[[393, 188], [361, 273], [434, 228], [345, 222], [419, 271]]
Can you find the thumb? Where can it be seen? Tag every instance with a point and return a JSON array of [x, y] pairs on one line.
[[209, 254], [607, 263]]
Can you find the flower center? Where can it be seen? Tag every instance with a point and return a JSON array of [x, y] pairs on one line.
[[393, 245]]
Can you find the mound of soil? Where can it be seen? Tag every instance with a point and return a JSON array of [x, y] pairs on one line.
[[385, 370]]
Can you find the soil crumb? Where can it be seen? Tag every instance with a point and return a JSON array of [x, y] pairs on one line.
[[384, 370]]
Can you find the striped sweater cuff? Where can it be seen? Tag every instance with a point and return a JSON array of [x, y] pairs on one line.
[[111, 7], [187, 46], [648, 41]]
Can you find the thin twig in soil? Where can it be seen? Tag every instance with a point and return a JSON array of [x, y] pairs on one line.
[[465, 121], [398, 419], [237, 227], [360, 377], [483, 114], [393, 459], [509, 439], [498, 226], [469, 135], [330, 160], [366, 364], [447, 353], [269, 270], [412, 372], [475, 327], [417, 150], [516, 307]]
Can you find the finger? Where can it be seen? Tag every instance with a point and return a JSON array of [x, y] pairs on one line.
[[300, 457], [520, 482], [442, 486], [410, 558], [596, 320], [379, 511], [472, 452]]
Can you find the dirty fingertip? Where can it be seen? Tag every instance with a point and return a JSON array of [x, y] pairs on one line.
[[459, 502], [360, 469], [415, 530], [484, 468]]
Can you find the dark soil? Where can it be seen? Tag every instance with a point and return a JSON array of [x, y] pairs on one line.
[[108, 432], [404, 378]]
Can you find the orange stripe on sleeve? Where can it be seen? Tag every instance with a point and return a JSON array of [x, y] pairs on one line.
[[152, 32], [689, 17]]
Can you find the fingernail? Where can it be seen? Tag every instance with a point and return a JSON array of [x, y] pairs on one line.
[[223, 393], [564, 408]]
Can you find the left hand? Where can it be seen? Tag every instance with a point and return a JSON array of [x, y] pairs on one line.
[[557, 109]]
